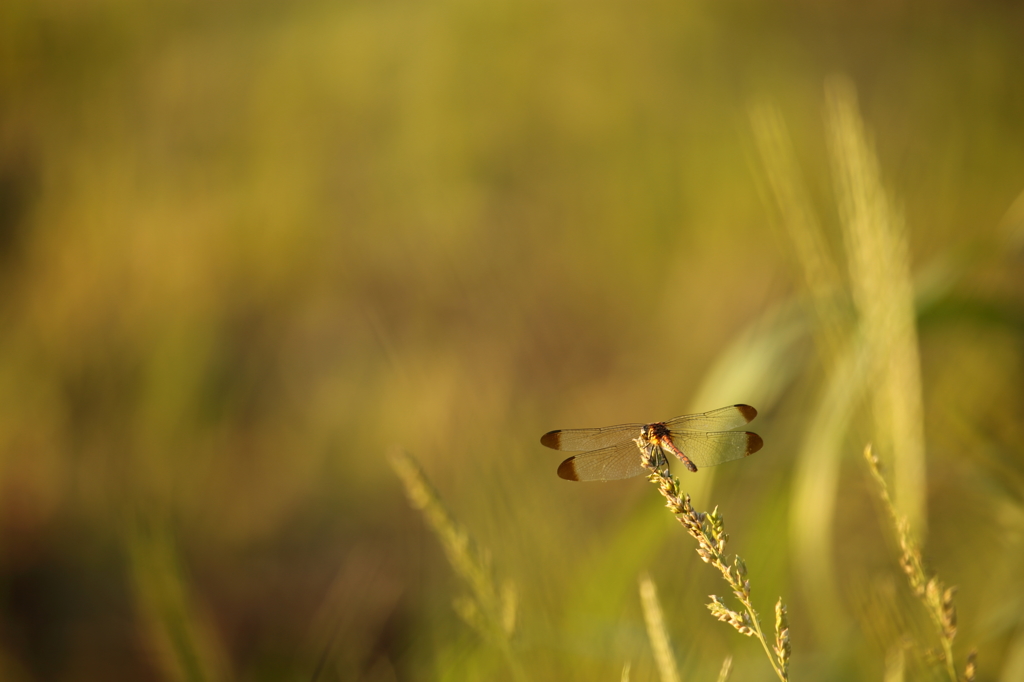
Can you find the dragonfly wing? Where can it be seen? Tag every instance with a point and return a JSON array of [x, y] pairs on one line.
[[607, 464], [573, 440], [709, 449], [722, 419]]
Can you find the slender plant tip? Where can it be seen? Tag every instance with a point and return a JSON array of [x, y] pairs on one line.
[[657, 632], [726, 670], [872, 458]]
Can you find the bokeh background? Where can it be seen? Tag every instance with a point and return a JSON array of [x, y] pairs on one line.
[[249, 248]]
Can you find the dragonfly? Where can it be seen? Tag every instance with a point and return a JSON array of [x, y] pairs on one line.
[[614, 452]]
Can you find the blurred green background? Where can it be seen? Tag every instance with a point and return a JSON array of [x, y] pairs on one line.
[[247, 248]]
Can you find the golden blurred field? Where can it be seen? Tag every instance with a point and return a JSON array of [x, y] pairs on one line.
[[247, 250]]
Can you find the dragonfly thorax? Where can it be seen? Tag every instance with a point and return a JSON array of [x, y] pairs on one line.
[[654, 432]]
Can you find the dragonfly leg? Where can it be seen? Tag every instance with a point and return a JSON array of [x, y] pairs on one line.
[[662, 459], [651, 454]]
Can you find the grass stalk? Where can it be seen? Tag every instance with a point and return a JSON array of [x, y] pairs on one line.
[[936, 597], [490, 608], [185, 645], [708, 529]]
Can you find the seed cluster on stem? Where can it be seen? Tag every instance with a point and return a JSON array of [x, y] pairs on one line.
[[708, 529], [929, 589]]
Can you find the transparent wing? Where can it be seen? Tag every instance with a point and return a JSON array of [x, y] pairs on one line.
[[607, 464], [722, 419], [709, 449], [574, 440]]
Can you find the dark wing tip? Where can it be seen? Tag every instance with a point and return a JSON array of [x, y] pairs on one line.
[[552, 439], [754, 443], [747, 411], [567, 469]]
